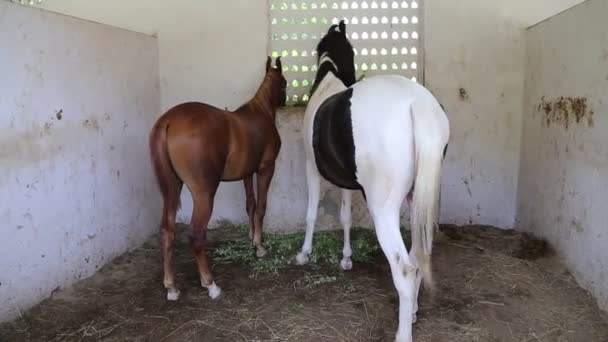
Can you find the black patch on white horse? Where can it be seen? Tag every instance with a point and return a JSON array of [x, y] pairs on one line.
[[333, 143]]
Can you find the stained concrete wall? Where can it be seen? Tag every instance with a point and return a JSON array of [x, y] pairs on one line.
[[76, 189], [476, 45], [474, 64], [564, 167]]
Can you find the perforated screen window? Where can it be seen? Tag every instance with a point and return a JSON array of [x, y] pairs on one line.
[[385, 35]]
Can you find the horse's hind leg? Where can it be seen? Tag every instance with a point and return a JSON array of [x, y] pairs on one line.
[[384, 202], [346, 220], [173, 187], [203, 207], [413, 252], [167, 240], [250, 203], [313, 180], [386, 221], [264, 179]]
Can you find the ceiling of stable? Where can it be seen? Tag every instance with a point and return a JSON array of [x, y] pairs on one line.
[[149, 17]]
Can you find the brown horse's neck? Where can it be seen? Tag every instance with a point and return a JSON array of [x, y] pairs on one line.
[[264, 100]]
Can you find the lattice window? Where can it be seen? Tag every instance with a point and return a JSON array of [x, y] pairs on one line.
[[386, 37], [27, 2]]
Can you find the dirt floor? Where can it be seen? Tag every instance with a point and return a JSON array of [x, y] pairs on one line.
[[492, 285]]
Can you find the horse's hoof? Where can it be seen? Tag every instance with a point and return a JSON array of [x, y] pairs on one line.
[[214, 291], [302, 259], [172, 294], [261, 252], [403, 338], [346, 264]]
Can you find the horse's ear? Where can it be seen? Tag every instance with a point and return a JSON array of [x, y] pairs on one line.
[[268, 61], [342, 27], [331, 28], [278, 64]]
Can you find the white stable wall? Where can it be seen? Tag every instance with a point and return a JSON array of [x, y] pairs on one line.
[[564, 167], [478, 46], [214, 51], [77, 100]]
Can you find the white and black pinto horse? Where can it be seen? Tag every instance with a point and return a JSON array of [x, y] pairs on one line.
[[385, 136]]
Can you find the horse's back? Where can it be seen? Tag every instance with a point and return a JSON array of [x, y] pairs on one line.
[[380, 107], [196, 132], [385, 92], [363, 131], [386, 101], [385, 110], [228, 144], [365, 134], [194, 112]]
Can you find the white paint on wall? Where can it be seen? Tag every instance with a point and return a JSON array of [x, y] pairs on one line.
[[563, 178], [209, 52], [212, 51], [527, 13], [478, 46], [77, 100], [475, 68]]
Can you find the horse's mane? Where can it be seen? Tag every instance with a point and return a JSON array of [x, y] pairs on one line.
[[264, 96], [335, 46], [324, 69]]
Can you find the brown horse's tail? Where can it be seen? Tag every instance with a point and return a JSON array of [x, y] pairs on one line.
[[168, 180]]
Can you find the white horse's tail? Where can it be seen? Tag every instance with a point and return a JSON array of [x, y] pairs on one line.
[[430, 138]]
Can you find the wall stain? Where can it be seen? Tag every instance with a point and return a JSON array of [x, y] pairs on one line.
[[564, 111], [92, 124], [466, 183], [463, 94], [47, 129], [32, 185], [578, 227], [36, 74]]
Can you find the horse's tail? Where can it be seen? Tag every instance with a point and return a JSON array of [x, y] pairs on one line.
[[430, 139], [167, 178]]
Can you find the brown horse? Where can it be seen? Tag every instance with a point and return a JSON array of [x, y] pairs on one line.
[[201, 146]]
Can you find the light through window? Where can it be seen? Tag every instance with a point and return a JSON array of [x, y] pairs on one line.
[[385, 35]]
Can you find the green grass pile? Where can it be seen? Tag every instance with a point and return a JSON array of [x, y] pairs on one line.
[[282, 248]]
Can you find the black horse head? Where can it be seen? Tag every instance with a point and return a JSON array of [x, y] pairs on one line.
[[336, 47]]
